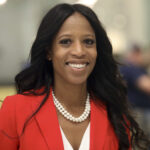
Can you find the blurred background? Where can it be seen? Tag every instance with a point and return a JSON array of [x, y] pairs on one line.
[[126, 22]]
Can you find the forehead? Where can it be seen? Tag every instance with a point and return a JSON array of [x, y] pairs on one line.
[[76, 23]]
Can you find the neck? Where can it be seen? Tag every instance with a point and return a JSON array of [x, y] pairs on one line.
[[71, 95]]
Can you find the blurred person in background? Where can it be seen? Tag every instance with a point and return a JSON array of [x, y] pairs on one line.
[[138, 82]]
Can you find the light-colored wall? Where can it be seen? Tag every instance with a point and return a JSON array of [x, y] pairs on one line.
[[19, 21], [126, 22]]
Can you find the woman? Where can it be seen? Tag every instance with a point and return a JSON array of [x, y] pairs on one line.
[[72, 95]]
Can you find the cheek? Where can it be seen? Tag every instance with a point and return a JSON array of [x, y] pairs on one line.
[[93, 55], [58, 61]]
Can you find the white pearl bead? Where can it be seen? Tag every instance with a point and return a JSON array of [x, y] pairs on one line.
[[67, 115]]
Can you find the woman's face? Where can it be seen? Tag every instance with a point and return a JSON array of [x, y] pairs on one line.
[[74, 51]]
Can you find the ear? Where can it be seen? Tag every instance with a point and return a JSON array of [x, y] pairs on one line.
[[48, 56]]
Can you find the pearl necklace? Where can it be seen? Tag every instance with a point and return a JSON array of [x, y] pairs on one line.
[[67, 115]]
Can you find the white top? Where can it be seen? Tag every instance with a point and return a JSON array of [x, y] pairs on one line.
[[85, 142]]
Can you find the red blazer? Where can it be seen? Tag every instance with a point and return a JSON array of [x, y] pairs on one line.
[[42, 131]]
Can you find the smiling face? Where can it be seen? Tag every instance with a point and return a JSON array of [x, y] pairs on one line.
[[73, 52]]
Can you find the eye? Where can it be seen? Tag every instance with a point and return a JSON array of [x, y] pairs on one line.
[[65, 41], [89, 41]]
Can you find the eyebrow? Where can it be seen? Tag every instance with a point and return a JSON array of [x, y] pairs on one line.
[[64, 35], [69, 35]]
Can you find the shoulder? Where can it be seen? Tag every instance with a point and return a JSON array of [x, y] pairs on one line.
[[132, 73], [131, 69], [19, 106], [20, 100], [16, 109]]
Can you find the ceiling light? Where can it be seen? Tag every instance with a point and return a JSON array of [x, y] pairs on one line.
[[89, 3], [2, 2]]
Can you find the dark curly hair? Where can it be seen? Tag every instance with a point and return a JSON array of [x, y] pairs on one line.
[[105, 82]]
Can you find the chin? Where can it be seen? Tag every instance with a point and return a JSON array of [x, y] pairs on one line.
[[78, 81]]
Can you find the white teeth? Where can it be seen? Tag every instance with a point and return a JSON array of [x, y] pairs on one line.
[[77, 65]]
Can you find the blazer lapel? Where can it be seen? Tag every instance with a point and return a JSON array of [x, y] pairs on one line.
[[99, 125], [49, 125]]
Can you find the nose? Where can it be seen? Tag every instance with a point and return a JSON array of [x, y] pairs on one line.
[[78, 49]]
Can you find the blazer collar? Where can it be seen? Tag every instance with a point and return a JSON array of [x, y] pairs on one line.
[[49, 126]]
